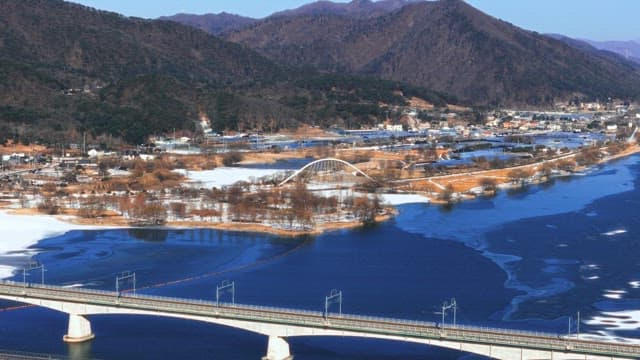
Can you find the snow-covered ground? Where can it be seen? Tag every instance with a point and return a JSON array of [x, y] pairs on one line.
[[18, 232], [399, 199], [225, 176], [610, 321]]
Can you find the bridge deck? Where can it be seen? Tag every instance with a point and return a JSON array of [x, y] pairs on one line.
[[311, 319]]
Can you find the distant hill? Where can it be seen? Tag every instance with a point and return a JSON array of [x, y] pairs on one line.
[[353, 9], [67, 69], [223, 22], [586, 46], [212, 23], [446, 45], [628, 49]]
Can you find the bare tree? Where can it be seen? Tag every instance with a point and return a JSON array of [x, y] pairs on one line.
[[488, 184], [178, 210]]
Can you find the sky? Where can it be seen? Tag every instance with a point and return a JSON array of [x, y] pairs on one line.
[[583, 19]]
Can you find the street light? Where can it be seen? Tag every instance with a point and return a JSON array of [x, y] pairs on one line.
[[334, 297], [228, 286], [124, 276]]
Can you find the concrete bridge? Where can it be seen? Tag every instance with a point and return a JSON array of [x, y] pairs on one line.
[[279, 324]]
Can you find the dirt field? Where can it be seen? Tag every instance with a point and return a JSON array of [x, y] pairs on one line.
[[19, 148], [465, 182]]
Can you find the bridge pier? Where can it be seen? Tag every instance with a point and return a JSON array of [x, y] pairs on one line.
[[278, 349], [79, 329]]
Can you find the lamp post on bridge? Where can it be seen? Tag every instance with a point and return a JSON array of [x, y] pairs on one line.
[[229, 286], [124, 276], [334, 297], [32, 266]]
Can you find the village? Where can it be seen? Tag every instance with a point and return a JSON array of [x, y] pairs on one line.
[[234, 180]]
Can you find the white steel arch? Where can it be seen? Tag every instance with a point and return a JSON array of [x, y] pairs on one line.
[[324, 165]]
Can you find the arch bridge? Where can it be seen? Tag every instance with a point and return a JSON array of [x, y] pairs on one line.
[[279, 324], [326, 167]]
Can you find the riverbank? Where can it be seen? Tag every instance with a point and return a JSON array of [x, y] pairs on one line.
[[59, 224], [469, 185]]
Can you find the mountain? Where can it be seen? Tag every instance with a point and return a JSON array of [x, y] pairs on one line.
[[628, 49], [353, 9], [448, 46], [586, 46], [69, 67], [66, 69], [221, 23], [212, 23]]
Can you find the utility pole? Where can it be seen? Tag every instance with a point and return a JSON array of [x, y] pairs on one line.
[[229, 286], [334, 296], [578, 326], [450, 305], [28, 268], [124, 276]]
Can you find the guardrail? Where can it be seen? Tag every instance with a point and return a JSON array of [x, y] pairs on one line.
[[22, 355], [316, 319]]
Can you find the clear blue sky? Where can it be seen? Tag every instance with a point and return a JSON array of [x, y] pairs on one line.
[[589, 19]]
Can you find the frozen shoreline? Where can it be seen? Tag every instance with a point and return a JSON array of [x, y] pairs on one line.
[[401, 199], [225, 176], [19, 232]]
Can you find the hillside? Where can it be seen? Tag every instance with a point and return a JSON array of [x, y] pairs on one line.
[[212, 23], [353, 9], [628, 49], [446, 45], [602, 51], [66, 69], [223, 22]]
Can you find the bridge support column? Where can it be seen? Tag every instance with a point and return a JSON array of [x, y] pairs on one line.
[[278, 349], [79, 329]]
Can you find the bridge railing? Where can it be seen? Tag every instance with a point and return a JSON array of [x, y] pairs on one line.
[[23, 355], [381, 320], [316, 318]]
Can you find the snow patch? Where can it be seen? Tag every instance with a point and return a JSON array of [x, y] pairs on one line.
[[399, 199], [614, 232], [19, 232], [225, 176], [614, 294], [626, 320]]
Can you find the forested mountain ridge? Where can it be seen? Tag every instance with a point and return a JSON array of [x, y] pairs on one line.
[[223, 22], [448, 46], [628, 50], [67, 69], [353, 9], [212, 23]]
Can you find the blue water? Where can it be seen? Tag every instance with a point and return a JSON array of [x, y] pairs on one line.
[[523, 259]]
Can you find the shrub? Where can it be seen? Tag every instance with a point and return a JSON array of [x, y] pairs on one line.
[[231, 158]]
